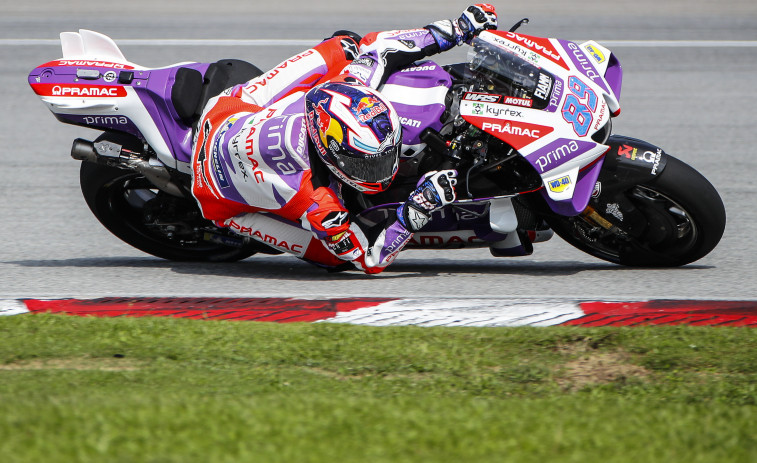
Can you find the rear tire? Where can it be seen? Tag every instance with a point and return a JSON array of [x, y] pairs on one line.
[[135, 211], [685, 215]]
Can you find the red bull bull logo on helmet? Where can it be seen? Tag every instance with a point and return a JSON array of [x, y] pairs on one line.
[[369, 107], [327, 127]]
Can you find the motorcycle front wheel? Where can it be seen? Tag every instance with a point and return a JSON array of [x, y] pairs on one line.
[[685, 220]]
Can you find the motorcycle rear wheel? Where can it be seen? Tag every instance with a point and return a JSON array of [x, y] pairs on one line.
[[686, 218], [121, 199]]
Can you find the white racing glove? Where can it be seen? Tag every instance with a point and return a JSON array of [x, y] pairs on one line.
[[434, 191], [474, 19]]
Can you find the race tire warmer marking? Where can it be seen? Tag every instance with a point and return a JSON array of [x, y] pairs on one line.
[[406, 311]]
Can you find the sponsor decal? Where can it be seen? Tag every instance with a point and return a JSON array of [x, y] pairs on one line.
[[543, 87], [595, 53], [216, 161], [482, 97], [500, 111], [406, 121], [369, 107], [410, 33], [584, 65], [109, 76], [560, 184], [515, 133], [614, 210], [439, 241], [87, 63], [278, 154], [350, 48], [105, 120], [425, 67], [597, 190], [519, 51], [249, 146], [540, 45], [342, 244], [264, 237], [557, 91], [335, 219], [398, 243], [364, 61], [557, 154], [79, 91], [408, 43], [647, 156], [242, 169], [600, 116], [263, 81], [515, 101]]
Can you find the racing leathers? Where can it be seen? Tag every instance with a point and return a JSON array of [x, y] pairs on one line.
[[255, 170]]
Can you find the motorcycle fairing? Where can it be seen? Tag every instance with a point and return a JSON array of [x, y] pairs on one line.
[[418, 94], [571, 102], [94, 86]]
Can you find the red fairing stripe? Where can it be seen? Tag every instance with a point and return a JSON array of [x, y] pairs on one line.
[[86, 63], [79, 91]]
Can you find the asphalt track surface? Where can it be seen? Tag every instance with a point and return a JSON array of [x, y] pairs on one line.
[[689, 87]]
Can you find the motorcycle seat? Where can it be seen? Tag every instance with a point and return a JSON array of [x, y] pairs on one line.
[[192, 90]]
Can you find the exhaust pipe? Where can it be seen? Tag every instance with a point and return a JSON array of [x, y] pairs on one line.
[[109, 153], [83, 150]]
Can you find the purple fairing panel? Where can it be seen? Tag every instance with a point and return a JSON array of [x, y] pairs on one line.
[[583, 63], [558, 153], [59, 76], [587, 178], [614, 75], [557, 92], [115, 123], [411, 88], [156, 97]]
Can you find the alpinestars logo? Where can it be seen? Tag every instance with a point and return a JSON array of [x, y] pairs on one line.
[[335, 219], [417, 218]]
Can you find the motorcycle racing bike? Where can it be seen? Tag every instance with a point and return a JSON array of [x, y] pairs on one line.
[[526, 122]]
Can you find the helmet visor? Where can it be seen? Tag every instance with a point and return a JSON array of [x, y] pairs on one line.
[[377, 168]]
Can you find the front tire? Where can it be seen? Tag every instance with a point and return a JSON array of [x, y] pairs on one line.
[[684, 215]]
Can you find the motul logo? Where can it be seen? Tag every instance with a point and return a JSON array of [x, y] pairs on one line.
[[88, 91], [525, 102]]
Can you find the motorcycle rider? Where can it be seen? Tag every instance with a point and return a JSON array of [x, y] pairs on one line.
[[272, 156]]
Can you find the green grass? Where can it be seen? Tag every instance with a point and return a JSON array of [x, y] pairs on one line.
[[166, 390]]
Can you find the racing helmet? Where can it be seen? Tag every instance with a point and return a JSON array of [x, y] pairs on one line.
[[356, 133]]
